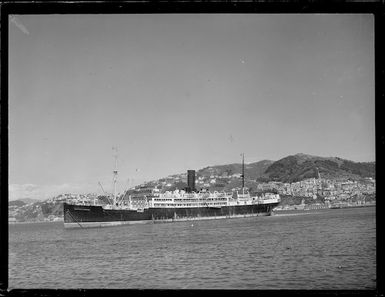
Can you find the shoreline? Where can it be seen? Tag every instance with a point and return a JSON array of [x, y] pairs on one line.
[[275, 212], [34, 222], [313, 210]]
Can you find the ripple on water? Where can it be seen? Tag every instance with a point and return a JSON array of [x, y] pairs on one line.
[[331, 250]]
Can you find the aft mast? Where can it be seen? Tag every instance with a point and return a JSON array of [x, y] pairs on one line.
[[115, 172], [243, 173]]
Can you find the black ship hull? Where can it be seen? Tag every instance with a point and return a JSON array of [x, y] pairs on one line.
[[83, 216]]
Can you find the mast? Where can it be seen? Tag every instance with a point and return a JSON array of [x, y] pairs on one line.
[[115, 172], [319, 180], [243, 172]]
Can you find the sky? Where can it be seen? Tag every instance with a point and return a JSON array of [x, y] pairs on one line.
[[176, 91]]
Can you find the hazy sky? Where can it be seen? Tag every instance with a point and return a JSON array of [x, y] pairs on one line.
[[178, 92]]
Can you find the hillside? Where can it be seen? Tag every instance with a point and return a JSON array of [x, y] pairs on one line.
[[252, 170], [300, 166], [295, 168], [289, 169]]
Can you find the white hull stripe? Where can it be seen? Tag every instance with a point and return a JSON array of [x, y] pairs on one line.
[[119, 223]]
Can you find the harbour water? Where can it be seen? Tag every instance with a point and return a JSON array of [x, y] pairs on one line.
[[329, 249]]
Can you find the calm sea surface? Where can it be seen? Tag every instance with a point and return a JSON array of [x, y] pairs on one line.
[[330, 249]]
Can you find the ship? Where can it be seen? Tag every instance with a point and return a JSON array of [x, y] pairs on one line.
[[170, 206]]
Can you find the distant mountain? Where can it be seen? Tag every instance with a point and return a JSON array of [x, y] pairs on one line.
[[301, 166], [23, 201], [17, 203], [29, 200]]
